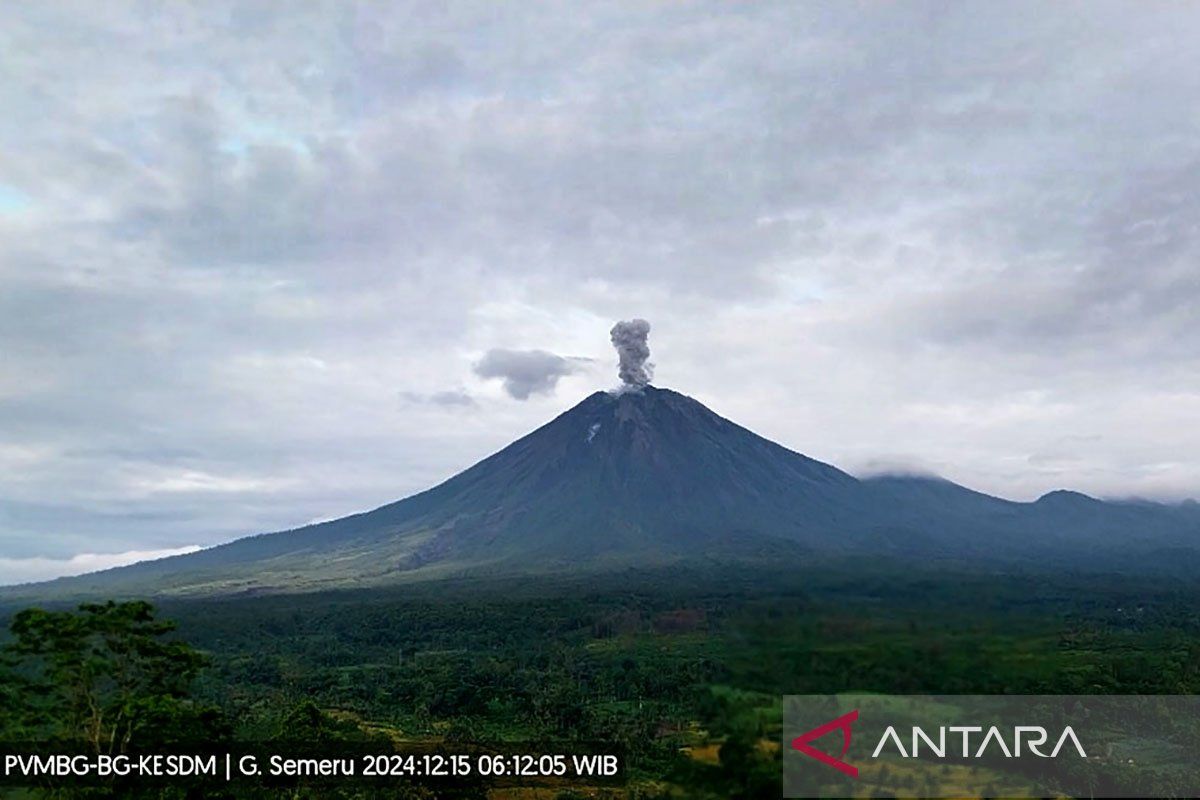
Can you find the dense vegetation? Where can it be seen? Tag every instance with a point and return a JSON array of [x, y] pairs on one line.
[[682, 671]]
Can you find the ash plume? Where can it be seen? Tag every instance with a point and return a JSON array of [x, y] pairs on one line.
[[633, 352]]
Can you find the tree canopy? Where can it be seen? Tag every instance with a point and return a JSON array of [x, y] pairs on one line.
[[106, 676]]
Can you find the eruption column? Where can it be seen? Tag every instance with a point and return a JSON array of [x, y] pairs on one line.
[[633, 352]]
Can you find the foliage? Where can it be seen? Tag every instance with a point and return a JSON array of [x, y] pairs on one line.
[[680, 671], [105, 676]]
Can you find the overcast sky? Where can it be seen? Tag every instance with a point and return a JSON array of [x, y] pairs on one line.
[[263, 264]]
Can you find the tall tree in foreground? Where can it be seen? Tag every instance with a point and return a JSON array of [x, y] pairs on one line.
[[106, 676]]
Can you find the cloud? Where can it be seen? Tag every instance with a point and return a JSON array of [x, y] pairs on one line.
[[895, 467], [962, 234], [450, 398], [526, 372], [29, 570]]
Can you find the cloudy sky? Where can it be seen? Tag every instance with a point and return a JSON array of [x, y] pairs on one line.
[[265, 264]]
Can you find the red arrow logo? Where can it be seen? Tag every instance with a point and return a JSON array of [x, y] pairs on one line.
[[842, 723]]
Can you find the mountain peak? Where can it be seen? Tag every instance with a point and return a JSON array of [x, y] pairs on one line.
[[1066, 497], [637, 478]]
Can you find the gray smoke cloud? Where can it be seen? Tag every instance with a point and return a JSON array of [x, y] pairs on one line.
[[527, 372], [633, 351]]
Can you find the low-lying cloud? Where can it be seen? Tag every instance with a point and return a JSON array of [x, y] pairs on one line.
[[29, 570]]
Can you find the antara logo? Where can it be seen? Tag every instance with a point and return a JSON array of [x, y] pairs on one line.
[[842, 723], [1032, 736]]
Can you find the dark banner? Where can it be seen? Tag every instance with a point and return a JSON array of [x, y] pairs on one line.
[[283, 765], [987, 746]]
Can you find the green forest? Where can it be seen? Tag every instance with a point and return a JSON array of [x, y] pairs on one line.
[[680, 671]]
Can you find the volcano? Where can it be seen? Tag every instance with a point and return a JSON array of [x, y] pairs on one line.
[[652, 477]]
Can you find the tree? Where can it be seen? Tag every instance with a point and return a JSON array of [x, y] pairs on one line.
[[13, 688], [105, 677]]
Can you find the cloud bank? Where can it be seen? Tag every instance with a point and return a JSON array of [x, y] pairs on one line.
[[232, 234], [30, 570]]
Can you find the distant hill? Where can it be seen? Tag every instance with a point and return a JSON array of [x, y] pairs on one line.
[[650, 478]]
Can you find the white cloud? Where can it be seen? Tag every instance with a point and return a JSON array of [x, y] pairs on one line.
[[28, 570], [259, 251]]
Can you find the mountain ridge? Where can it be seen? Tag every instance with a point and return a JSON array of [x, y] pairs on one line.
[[649, 477]]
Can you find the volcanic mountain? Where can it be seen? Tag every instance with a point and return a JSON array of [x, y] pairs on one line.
[[653, 477]]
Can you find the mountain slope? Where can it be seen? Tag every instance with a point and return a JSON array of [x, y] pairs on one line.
[[652, 477]]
